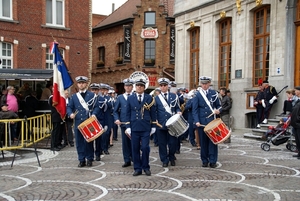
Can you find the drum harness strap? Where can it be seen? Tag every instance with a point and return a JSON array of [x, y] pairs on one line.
[[165, 104], [206, 100], [84, 104]]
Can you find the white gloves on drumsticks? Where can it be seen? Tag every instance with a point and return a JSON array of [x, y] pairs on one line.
[[105, 128], [272, 100], [263, 103], [152, 131]]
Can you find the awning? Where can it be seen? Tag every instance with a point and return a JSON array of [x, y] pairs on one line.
[[25, 74]]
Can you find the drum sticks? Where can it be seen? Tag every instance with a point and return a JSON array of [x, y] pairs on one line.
[[213, 113]]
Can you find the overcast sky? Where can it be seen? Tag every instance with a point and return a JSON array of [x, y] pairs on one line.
[[104, 7]]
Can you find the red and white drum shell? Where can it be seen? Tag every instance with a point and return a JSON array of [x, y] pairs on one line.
[[217, 131], [91, 129]]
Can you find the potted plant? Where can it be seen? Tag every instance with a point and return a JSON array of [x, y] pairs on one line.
[[100, 63], [149, 62], [119, 60]]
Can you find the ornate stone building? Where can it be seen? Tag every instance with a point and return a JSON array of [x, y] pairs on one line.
[[238, 42]]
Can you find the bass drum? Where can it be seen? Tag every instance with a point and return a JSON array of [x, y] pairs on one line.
[[137, 75]]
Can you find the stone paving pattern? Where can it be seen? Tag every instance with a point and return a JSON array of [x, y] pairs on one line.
[[244, 172]]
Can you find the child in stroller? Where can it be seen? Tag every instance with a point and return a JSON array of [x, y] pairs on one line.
[[278, 135]]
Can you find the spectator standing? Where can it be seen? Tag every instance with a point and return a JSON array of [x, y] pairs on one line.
[[30, 104], [287, 104], [47, 92], [68, 125], [258, 104], [295, 121], [226, 106], [24, 91], [13, 105], [269, 99]]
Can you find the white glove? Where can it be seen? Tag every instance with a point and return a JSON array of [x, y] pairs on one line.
[[128, 132], [263, 102], [272, 100], [105, 128], [152, 130]]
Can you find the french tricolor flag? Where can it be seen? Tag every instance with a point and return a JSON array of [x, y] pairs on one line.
[[61, 80]]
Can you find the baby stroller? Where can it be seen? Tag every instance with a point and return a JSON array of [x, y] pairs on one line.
[[278, 135]]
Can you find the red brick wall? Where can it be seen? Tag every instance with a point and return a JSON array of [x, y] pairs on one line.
[[30, 31], [109, 38]]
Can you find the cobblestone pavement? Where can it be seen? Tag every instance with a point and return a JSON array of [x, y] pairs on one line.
[[244, 172]]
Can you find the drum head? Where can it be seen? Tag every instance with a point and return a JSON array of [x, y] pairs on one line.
[[172, 119], [214, 123]]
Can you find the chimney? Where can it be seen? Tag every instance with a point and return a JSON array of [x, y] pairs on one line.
[[112, 7]]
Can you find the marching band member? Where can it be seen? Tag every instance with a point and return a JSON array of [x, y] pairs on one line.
[[81, 106], [119, 118], [206, 102], [114, 127], [101, 102], [167, 104], [140, 124], [107, 116]]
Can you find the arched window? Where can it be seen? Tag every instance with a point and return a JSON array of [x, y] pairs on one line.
[[261, 45], [225, 43]]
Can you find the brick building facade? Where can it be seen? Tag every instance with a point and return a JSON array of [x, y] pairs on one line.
[[140, 35], [28, 27]]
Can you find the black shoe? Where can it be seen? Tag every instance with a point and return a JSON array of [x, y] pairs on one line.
[[71, 144], [212, 165], [205, 165], [156, 145], [148, 172], [55, 149], [172, 163], [89, 163], [81, 164], [165, 165], [194, 145], [115, 139], [60, 146], [98, 158], [126, 164], [101, 153], [136, 173], [106, 152], [177, 152], [296, 155], [111, 145]]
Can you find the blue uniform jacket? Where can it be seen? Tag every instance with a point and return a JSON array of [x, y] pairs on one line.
[[101, 103], [201, 110], [162, 115], [82, 114], [120, 109], [140, 118]]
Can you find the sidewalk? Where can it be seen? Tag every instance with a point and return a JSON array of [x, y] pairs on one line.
[[244, 172]]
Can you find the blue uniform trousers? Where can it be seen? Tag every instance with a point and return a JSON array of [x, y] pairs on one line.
[[140, 142], [191, 131], [85, 150], [209, 151], [98, 146], [164, 139], [126, 146]]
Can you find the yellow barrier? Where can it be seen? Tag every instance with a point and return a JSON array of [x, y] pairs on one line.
[[32, 130]]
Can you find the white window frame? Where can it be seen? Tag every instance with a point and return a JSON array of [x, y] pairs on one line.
[[50, 57], [2, 8], [54, 13], [5, 59]]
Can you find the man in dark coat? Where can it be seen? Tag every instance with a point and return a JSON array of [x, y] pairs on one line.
[[295, 121]]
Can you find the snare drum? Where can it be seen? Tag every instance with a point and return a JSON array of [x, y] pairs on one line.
[[177, 125], [217, 131], [91, 129]]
